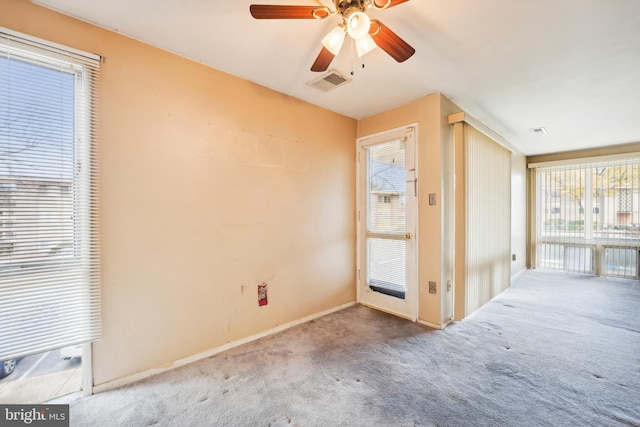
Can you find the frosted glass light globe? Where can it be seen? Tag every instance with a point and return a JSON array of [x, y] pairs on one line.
[[358, 25]]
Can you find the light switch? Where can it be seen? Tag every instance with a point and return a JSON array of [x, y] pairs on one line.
[[432, 287]]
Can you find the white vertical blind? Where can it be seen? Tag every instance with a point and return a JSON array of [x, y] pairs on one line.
[[488, 245], [49, 260]]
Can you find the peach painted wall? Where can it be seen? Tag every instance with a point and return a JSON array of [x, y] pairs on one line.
[[209, 185]]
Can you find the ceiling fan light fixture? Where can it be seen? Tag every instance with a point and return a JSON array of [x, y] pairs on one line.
[[381, 4], [365, 45], [355, 22], [358, 25], [334, 40], [329, 4]]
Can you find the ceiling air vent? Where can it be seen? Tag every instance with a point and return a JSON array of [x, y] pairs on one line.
[[329, 81]]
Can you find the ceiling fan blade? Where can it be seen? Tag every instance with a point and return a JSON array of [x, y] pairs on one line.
[[382, 3], [323, 60], [270, 11], [390, 42]]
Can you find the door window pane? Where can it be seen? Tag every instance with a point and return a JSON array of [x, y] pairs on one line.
[[387, 187]]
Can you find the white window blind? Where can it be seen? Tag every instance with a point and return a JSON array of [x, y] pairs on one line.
[[49, 260], [387, 200]]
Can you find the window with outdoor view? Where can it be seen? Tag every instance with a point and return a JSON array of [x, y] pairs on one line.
[[588, 217], [49, 279]]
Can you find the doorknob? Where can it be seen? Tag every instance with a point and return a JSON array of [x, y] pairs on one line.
[[408, 236]]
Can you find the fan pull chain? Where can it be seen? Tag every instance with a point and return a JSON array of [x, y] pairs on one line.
[[353, 42]]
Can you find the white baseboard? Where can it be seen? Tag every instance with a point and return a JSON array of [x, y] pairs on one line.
[[110, 385], [435, 325], [517, 274]]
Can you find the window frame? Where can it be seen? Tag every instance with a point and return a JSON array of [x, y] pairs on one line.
[[83, 290]]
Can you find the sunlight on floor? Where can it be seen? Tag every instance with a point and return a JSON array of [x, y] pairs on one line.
[[32, 385]]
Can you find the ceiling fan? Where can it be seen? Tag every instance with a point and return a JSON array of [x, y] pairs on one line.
[[367, 33]]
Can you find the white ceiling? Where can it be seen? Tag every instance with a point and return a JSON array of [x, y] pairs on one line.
[[572, 66]]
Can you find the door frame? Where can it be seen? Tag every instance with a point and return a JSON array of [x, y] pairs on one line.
[[380, 301]]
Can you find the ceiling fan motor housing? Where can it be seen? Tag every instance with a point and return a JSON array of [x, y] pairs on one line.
[[346, 8]]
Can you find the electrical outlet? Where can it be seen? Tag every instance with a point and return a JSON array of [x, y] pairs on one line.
[[513, 257], [432, 287], [432, 200]]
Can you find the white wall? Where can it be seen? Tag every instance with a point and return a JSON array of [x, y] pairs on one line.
[[518, 212]]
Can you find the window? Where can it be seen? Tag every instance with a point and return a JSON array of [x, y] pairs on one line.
[[587, 216], [620, 262], [49, 278]]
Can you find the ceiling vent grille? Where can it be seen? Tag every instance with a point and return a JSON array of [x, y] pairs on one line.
[[539, 131], [329, 81]]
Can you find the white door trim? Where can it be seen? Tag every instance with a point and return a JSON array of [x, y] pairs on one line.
[[407, 308]]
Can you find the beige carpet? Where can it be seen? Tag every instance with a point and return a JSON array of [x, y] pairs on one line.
[[552, 350]]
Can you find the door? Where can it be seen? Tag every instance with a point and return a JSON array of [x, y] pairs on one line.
[[387, 222]]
